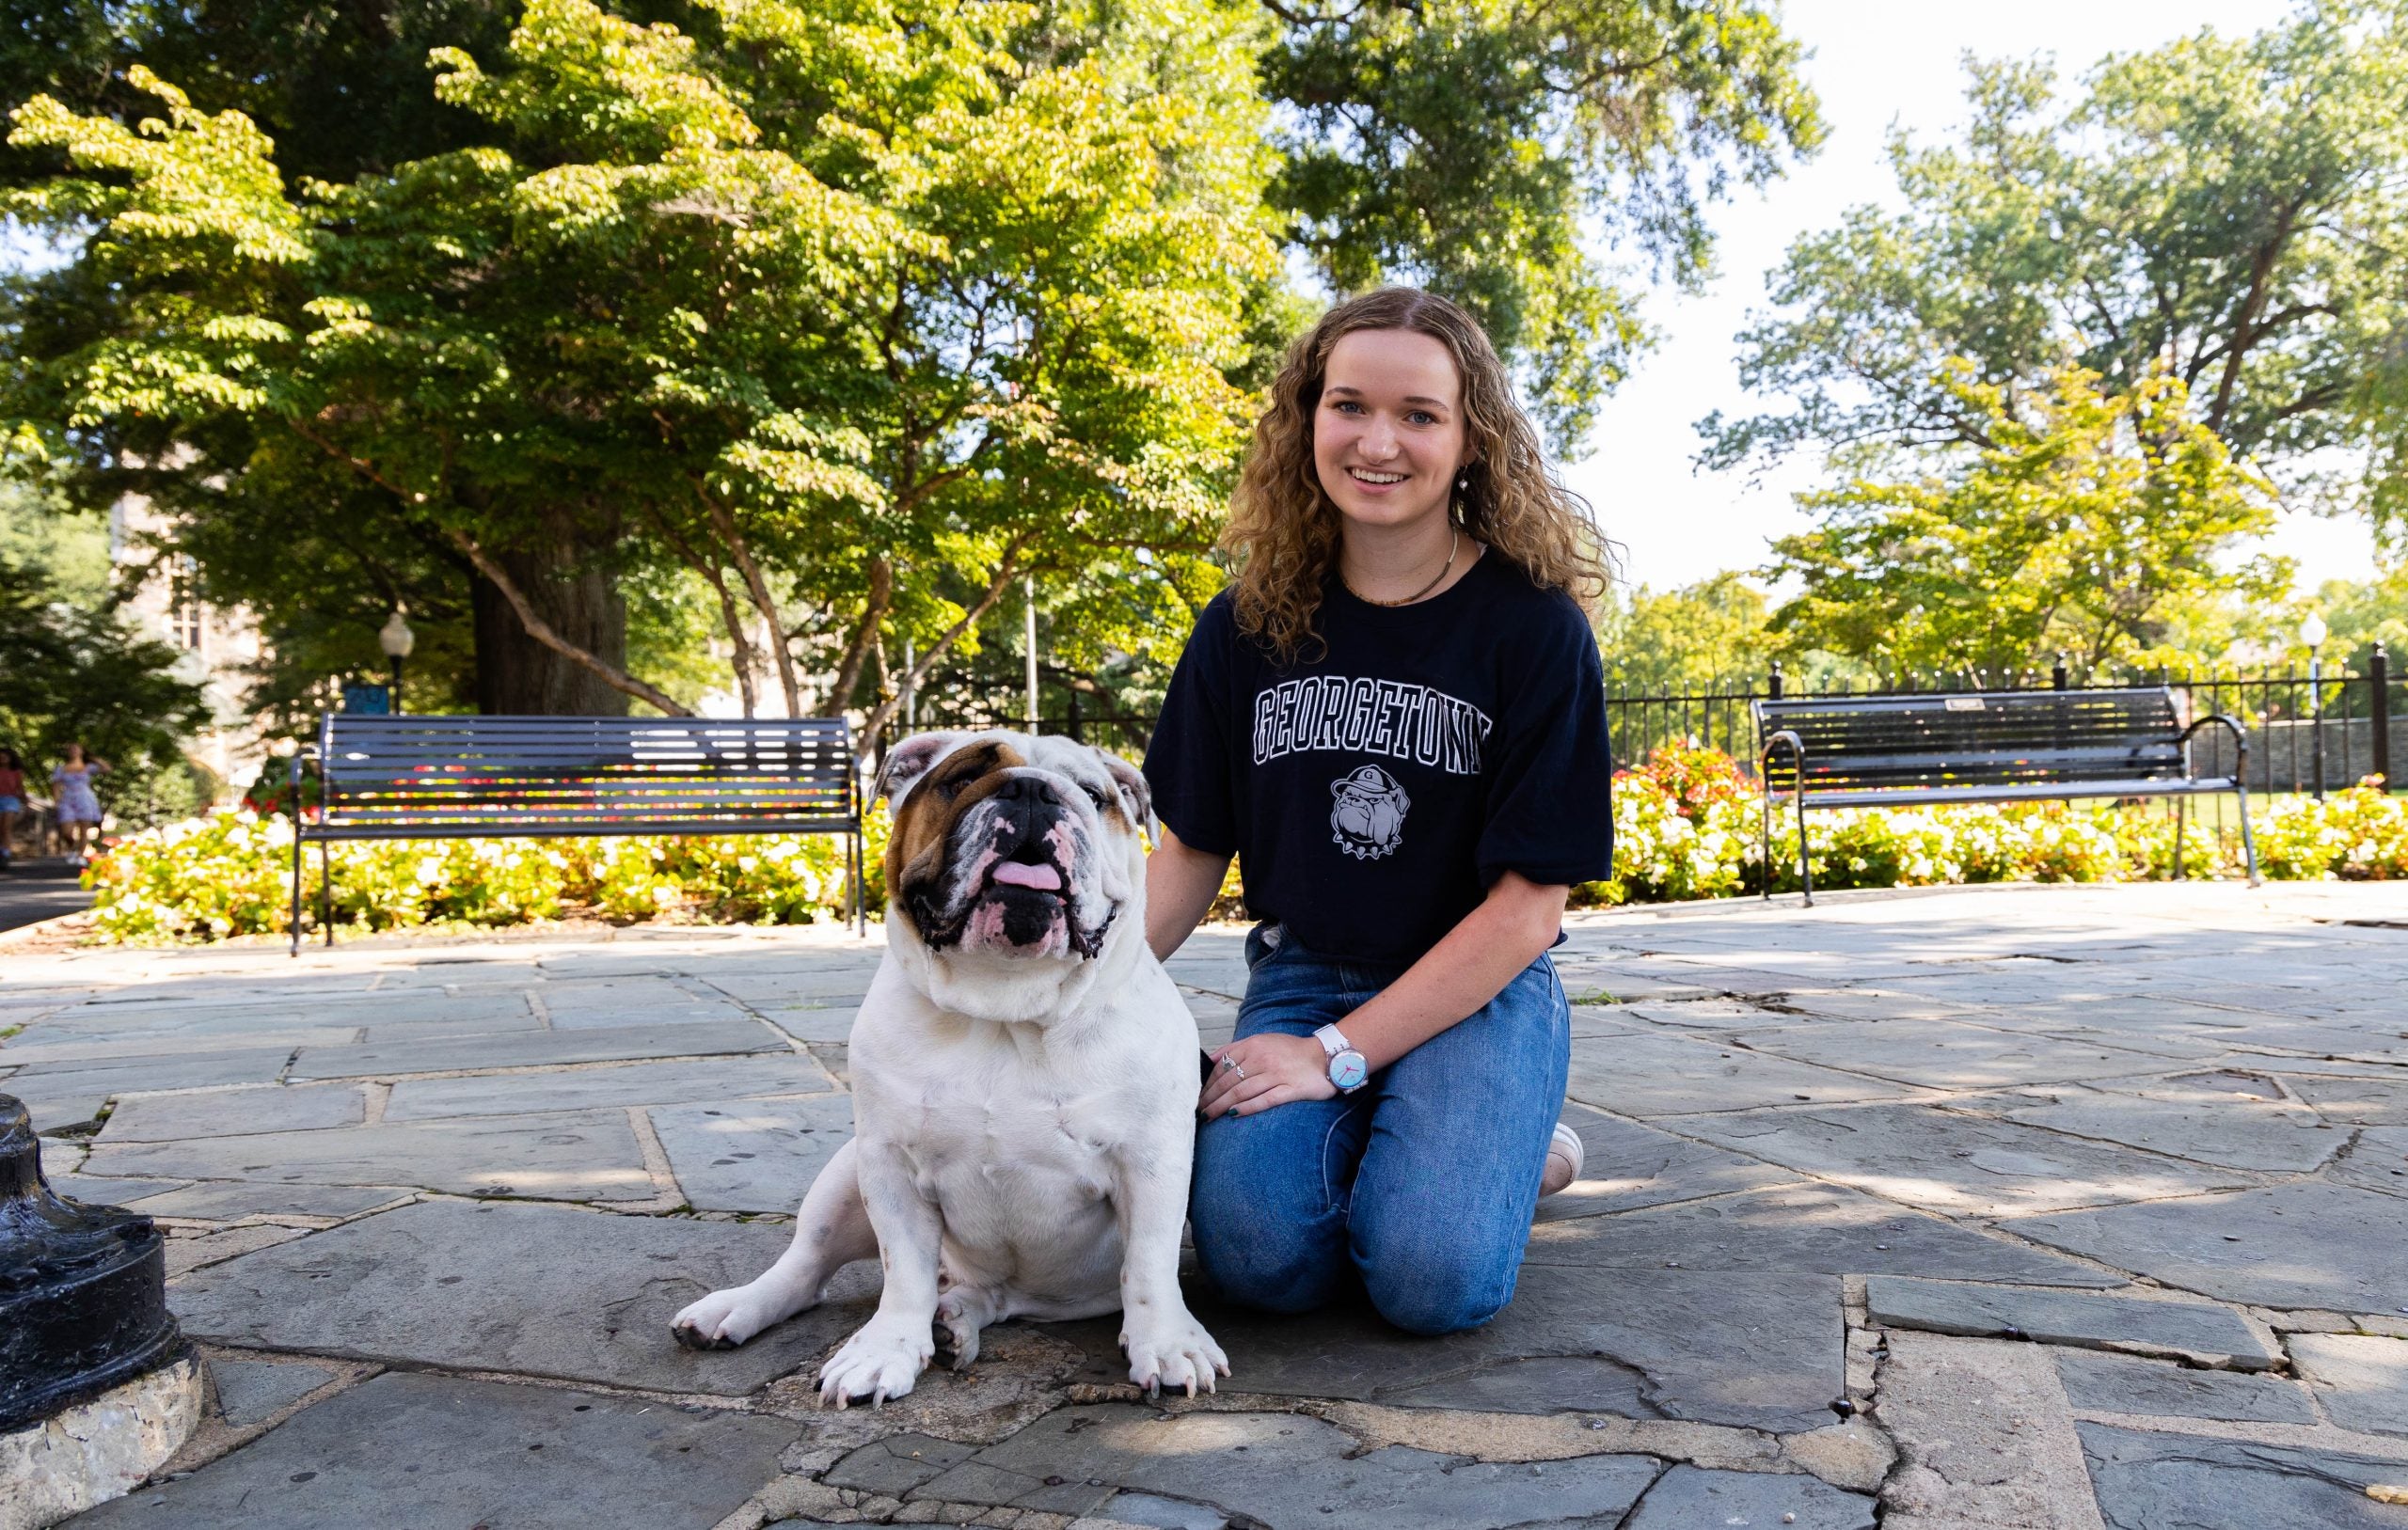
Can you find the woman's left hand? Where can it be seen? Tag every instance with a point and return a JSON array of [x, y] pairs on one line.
[[1262, 1071]]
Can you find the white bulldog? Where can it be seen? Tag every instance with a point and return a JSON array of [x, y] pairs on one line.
[[1025, 1083]]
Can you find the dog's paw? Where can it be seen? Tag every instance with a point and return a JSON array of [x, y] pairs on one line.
[[960, 1314], [881, 1360], [1177, 1354], [724, 1320]]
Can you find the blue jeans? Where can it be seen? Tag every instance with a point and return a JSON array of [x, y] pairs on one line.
[[1416, 1188]]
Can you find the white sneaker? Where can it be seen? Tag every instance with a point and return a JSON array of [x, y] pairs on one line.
[[1564, 1157]]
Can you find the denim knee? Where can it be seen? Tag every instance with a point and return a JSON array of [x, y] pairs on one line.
[[1435, 1294], [1270, 1268]]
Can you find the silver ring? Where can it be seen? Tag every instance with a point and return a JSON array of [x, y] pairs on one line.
[[1238, 1071]]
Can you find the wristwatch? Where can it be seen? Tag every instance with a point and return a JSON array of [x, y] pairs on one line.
[[1347, 1070]]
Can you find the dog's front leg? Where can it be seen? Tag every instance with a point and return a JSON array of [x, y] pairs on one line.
[[885, 1358], [1167, 1345]]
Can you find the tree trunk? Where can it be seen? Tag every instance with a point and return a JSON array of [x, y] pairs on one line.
[[568, 586]]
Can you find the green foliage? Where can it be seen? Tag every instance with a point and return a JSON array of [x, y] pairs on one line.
[[1462, 144], [824, 320], [2227, 208], [228, 874], [2086, 525], [1687, 825], [72, 670]]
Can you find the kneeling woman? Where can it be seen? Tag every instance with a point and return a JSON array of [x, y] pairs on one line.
[[1395, 718]]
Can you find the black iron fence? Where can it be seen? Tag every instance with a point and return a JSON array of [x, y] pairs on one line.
[[2320, 730], [2308, 732]]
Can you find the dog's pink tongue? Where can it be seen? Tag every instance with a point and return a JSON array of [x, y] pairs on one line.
[[1020, 873]]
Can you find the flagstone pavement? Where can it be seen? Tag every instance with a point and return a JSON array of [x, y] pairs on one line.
[[2008, 1208]]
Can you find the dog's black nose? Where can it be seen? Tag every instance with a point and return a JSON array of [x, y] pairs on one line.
[[1028, 791]]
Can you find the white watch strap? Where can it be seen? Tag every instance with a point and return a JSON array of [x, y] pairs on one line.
[[1333, 1041]]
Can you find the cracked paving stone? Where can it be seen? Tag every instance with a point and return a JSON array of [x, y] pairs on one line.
[[619, 1085], [2211, 1125], [590, 1155], [759, 1156], [1822, 1228], [1649, 1075], [1752, 1349], [1542, 1384], [250, 1390], [227, 1200], [551, 1291], [1956, 1163], [898, 1464], [2363, 1379], [2189, 1330], [1693, 1498], [233, 1112], [2379, 1162], [1630, 1166], [1942, 1054], [2334, 1248], [2372, 1102], [428, 1450], [1285, 1468], [2148, 1481], [2102, 1383], [534, 1049], [1157, 1513]]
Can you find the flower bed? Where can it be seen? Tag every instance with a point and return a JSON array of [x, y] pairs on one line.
[[229, 875], [1686, 826]]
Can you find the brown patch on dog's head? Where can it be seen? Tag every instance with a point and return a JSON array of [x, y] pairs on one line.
[[935, 788]]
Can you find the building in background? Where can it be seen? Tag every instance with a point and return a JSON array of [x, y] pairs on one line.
[[218, 644]]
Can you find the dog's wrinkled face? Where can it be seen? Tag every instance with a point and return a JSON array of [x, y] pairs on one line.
[[1012, 844]]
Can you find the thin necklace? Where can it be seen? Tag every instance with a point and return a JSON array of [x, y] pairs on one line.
[[1452, 542]]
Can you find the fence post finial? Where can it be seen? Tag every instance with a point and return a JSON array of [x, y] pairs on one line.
[[1773, 685], [2058, 675]]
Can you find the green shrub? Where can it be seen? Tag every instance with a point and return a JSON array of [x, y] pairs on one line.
[[1686, 826], [228, 874]]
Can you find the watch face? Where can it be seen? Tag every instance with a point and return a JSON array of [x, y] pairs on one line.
[[1347, 1070]]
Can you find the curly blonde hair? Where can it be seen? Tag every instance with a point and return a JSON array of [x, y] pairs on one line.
[[1283, 529]]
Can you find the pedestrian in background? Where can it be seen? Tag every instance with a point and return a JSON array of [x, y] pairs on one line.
[[12, 801], [77, 807]]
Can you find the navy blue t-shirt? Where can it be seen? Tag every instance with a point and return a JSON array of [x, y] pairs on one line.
[[1373, 793]]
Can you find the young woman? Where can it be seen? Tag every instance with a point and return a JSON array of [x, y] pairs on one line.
[[12, 801], [75, 806], [1394, 718]]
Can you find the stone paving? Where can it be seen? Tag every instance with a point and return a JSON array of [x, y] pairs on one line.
[[1972, 1209]]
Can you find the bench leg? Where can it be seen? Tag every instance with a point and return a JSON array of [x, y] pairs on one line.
[[326, 894], [861, 897], [1765, 836], [1805, 863], [295, 929], [2181, 822], [2248, 843]]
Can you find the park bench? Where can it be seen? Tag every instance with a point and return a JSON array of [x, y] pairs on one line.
[[429, 778], [1993, 746]]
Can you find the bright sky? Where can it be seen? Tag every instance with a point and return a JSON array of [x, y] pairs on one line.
[[1877, 62]]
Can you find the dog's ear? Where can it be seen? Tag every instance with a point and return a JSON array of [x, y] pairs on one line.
[[1134, 793], [906, 762]]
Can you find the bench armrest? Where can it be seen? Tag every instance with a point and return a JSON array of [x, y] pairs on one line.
[[1797, 746], [2240, 744]]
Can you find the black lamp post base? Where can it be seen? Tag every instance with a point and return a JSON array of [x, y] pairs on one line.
[[83, 1289]]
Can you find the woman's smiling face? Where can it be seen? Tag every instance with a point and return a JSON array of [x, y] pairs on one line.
[[1388, 432]]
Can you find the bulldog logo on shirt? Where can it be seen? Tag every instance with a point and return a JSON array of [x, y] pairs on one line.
[[1369, 815]]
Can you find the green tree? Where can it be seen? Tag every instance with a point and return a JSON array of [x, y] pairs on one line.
[[2224, 210], [2087, 526], [1464, 144], [77, 673], [1696, 638], [975, 330]]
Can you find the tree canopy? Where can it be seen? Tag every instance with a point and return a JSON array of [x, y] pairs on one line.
[[2224, 211], [2086, 526], [801, 328]]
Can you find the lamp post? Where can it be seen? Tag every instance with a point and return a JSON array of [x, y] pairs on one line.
[[396, 638], [2312, 632]]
